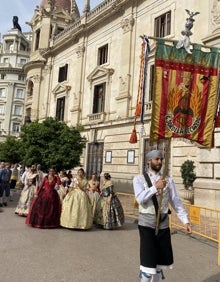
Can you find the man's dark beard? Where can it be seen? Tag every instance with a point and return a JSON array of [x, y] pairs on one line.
[[155, 167]]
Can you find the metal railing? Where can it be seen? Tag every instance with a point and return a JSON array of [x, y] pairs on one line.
[[205, 221]]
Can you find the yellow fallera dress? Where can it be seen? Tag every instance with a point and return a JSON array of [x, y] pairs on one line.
[[93, 194], [27, 194], [76, 208]]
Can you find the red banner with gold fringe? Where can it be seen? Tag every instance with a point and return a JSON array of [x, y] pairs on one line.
[[185, 94]]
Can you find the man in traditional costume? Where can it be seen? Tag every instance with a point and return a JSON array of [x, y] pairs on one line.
[[155, 247]]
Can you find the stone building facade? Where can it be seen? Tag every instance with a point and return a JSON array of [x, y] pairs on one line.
[[84, 69], [14, 53]]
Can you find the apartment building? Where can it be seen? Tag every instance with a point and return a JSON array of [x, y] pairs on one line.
[[14, 53]]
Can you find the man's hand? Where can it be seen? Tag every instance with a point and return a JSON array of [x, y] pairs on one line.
[[188, 228], [160, 184]]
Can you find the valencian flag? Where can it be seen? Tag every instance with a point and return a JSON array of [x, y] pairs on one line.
[[185, 94]]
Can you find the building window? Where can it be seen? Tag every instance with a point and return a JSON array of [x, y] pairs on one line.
[[163, 25], [37, 39], [27, 118], [103, 55], [60, 108], [151, 84], [15, 127], [23, 47], [30, 88], [3, 76], [17, 110], [99, 98], [9, 45], [63, 73], [22, 61], [19, 93], [21, 77], [6, 60], [11, 48], [2, 109], [2, 93]]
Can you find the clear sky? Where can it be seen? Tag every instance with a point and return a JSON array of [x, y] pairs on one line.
[[24, 9]]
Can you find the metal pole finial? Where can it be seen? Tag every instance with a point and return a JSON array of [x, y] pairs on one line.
[[185, 41]]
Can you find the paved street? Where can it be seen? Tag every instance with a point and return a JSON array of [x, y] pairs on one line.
[[61, 255]]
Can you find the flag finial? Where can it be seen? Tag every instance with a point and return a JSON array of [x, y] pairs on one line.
[[185, 41]]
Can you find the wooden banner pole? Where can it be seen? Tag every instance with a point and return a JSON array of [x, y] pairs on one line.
[[164, 175]]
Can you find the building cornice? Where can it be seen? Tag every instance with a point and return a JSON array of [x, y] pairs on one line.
[[11, 70]]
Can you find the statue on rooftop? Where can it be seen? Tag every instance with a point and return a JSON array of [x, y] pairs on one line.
[[15, 23]]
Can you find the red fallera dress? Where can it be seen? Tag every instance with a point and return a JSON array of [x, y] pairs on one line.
[[45, 210]]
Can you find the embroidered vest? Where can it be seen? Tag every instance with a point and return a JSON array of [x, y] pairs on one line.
[[148, 207]]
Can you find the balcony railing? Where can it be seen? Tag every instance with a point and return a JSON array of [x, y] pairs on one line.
[[5, 65], [97, 117]]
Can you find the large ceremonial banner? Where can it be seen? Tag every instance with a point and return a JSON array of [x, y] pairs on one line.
[[185, 94]]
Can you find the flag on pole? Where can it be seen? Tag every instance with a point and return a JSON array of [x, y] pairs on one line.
[[185, 94]]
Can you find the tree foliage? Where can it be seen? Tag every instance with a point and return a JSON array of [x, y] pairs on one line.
[[52, 143], [49, 143], [11, 150]]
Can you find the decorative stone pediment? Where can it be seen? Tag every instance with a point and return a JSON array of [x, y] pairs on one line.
[[100, 73], [61, 88]]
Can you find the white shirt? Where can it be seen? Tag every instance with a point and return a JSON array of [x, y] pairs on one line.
[[143, 195]]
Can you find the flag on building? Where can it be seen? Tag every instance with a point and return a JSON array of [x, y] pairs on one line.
[[185, 93]]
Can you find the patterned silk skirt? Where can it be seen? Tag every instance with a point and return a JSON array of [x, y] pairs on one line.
[[94, 197], [25, 200], [109, 215]]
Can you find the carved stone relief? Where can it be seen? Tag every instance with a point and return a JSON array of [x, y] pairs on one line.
[[80, 50], [124, 87], [127, 24], [216, 12]]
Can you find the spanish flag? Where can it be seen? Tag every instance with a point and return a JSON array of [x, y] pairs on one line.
[[185, 94]]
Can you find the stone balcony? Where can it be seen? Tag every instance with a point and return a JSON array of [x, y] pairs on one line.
[[97, 117]]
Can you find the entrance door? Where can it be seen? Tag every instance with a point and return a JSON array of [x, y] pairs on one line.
[[94, 159]]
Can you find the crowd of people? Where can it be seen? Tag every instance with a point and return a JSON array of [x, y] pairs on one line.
[[50, 200]]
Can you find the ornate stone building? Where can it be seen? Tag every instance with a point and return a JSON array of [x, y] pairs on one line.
[[84, 69], [14, 53]]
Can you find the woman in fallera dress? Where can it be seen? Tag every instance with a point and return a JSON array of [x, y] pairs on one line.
[[63, 188], [28, 192], [46, 207], [93, 191], [109, 212], [76, 207]]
